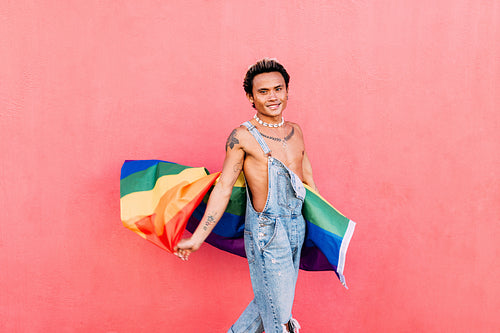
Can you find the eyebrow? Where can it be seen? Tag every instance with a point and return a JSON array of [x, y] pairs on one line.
[[278, 86]]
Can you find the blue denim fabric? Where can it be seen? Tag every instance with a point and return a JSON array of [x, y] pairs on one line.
[[273, 241]]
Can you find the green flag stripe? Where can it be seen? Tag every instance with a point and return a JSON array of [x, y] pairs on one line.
[[320, 213]]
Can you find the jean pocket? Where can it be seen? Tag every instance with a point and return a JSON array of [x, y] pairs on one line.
[[249, 248], [266, 232]]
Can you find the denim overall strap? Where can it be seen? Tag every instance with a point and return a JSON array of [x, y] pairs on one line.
[[251, 128]]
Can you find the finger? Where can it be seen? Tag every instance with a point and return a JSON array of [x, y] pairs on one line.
[[182, 254], [185, 255]]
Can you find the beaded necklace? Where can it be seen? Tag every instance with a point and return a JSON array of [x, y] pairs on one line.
[[269, 125]]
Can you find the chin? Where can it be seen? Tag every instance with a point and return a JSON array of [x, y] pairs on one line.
[[276, 112]]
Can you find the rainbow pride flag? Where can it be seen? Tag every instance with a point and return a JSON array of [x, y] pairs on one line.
[[160, 199]]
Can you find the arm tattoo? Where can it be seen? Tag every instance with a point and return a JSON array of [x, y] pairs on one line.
[[231, 140], [210, 220], [237, 167]]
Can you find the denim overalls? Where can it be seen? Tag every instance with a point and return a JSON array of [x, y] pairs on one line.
[[273, 241]]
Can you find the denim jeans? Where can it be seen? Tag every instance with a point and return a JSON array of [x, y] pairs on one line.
[[273, 241]]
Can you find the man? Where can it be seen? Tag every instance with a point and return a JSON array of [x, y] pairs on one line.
[[271, 153]]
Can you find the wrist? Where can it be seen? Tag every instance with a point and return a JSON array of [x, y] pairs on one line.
[[196, 241]]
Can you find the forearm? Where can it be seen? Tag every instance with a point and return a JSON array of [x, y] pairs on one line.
[[308, 173], [216, 205]]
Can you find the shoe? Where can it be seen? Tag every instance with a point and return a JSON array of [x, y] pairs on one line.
[[294, 325]]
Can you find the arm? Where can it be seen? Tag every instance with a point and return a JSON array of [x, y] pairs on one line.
[[219, 198], [307, 172]]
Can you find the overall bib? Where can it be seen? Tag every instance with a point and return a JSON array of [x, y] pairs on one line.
[[273, 242]]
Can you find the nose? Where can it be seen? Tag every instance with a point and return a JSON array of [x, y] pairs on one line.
[[272, 95]]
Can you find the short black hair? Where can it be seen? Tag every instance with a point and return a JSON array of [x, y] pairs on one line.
[[266, 65]]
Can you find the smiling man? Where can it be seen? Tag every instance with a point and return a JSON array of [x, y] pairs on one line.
[[271, 153]]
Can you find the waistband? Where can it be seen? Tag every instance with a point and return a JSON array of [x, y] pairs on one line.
[[261, 215]]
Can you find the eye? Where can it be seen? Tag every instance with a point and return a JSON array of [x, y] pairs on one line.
[[279, 89]]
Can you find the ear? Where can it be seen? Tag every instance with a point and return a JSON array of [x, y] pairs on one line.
[[250, 98]]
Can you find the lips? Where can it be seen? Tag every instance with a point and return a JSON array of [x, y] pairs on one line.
[[274, 106]]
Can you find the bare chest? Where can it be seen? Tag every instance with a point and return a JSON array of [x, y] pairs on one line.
[[287, 148]]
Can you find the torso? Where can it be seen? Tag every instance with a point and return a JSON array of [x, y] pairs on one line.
[[255, 163]]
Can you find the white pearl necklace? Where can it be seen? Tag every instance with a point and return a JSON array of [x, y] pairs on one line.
[[269, 125]]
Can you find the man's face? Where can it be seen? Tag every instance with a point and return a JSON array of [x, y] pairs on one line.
[[269, 94]]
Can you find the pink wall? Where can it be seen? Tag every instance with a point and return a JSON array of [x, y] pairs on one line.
[[399, 102]]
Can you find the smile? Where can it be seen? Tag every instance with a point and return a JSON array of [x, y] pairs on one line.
[[274, 106]]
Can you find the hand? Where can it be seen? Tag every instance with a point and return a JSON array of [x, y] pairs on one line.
[[184, 248]]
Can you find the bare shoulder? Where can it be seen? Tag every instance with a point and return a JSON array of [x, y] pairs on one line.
[[295, 127], [237, 138]]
